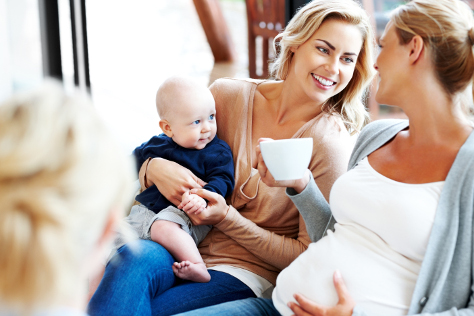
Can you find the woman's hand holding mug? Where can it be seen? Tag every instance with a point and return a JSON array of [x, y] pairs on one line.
[[298, 185]]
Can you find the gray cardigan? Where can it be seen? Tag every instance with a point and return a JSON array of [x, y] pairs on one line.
[[445, 284]]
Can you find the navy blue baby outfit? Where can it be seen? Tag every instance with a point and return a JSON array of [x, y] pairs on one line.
[[213, 164]]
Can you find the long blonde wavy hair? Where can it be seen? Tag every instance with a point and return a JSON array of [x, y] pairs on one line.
[[349, 102], [61, 173]]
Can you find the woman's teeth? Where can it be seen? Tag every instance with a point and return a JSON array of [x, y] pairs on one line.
[[323, 81]]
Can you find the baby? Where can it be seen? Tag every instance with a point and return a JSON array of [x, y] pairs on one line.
[[188, 121]]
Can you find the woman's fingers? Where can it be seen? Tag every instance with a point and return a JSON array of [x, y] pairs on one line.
[[199, 181], [298, 310], [257, 148], [211, 197], [298, 184], [174, 200], [264, 139], [344, 307], [260, 161], [310, 307], [215, 211], [341, 289], [171, 179], [266, 175]]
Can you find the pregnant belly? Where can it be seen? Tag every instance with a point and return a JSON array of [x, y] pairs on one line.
[[380, 280]]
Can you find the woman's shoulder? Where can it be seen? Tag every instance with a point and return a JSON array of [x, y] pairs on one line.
[[233, 96], [334, 123], [381, 131], [386, 126], [374, 135], [232, 85], [329, 133], [328, 126]]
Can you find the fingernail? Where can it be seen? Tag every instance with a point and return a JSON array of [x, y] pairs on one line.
[[337, 275]]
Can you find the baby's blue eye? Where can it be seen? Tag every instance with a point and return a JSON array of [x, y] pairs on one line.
[[212, 116], [197, 122]]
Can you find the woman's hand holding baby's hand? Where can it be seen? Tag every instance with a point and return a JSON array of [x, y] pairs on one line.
[[171, 179], [192, 203], [299, 185], [215, 211], [344, 306]]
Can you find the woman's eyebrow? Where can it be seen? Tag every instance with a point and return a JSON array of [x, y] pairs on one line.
[[334, 48], [328, 44]]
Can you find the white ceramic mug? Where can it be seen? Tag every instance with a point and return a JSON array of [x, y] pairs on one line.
[[287, 159]]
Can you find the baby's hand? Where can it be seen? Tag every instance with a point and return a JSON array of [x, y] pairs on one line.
[[192, 203]]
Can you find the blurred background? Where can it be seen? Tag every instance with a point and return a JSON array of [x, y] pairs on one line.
[[121, 51]]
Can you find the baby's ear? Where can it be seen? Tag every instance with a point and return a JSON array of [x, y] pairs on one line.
[[166, 128]]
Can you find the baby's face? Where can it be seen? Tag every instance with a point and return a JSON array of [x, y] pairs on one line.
[[194, 123]]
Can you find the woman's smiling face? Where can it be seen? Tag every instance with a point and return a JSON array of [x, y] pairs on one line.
[[325, 63]]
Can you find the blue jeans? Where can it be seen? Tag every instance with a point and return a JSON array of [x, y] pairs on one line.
[[141, 282], [246, 307]]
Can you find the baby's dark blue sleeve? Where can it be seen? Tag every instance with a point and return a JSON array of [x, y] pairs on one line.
[[139, 157], [150, 149], [220, 173]]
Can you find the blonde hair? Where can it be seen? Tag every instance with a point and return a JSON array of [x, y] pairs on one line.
[[446, 27], [348, 103], [60, 175]]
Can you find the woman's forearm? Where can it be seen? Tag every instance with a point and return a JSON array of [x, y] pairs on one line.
[[314, 208], [269, 247], [142, 176], [171, 179]]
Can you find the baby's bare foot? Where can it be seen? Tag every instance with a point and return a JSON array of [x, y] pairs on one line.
[[187, 270]]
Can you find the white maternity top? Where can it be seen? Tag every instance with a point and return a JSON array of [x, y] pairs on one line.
[[379, 242]]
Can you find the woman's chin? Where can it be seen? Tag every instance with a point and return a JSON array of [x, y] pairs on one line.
[[380, 98]]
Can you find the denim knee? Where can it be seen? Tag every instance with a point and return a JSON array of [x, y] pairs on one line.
[[143, 254]]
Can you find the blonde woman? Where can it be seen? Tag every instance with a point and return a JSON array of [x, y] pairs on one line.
[[324, 67], [63, 186], [403, 242]]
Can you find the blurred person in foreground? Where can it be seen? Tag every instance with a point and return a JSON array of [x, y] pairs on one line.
[[64, 184]]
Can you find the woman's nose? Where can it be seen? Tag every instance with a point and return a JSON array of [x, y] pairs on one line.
[[331, 67]]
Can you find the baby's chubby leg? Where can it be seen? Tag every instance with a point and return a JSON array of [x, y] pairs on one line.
[[180, 244]]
